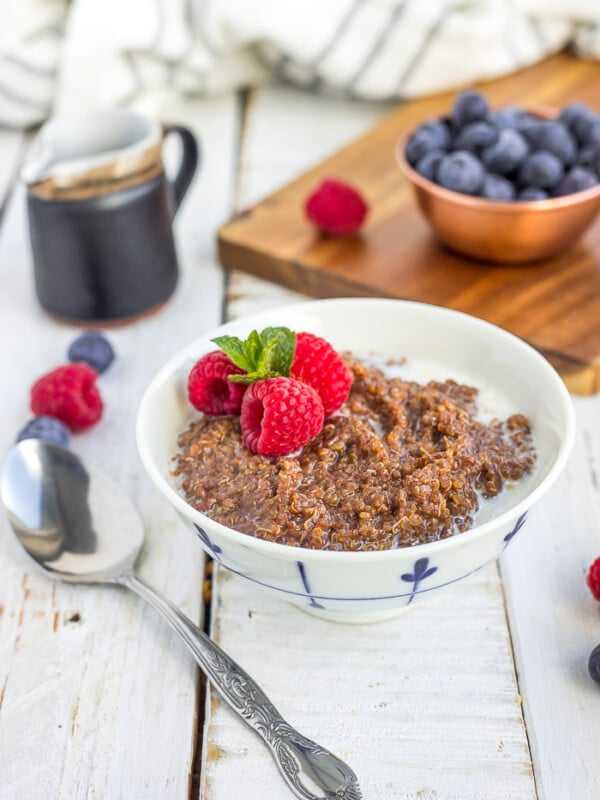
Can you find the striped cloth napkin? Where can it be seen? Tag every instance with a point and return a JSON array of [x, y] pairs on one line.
[[82, 53]]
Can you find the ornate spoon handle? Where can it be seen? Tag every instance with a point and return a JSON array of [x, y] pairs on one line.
[[310, 771]]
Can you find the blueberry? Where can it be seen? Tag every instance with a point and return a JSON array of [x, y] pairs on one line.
[[507, 153], [554, 137], [591, 132], [576, 180], [468, 107], [576, 117], [432, 135], [495, 187], [541, 169], [533, 193], [427, 166], [47, 428], [92, 348], [594, 664], [589, 156], [475, 135], [461, 172], [509, 117]]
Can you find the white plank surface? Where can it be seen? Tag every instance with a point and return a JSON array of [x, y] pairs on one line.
[[556, 622], [425, 706], [97, 698]]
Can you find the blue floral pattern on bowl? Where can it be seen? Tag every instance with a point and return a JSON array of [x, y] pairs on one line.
[[302, 570], [421, 571], [520, 522], [214, 549]]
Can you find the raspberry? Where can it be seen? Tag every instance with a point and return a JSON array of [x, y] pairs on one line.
[[320, 366], [70, 394], [94, 349], [336, 208], [593, 579], [279, 416], [210, 391], [49, 429]]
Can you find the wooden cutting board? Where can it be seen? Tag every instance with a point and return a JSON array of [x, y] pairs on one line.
[[554, 305]]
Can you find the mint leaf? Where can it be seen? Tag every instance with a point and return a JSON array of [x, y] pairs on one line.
[[234, 348], [266, 355], [253, 348], [251, 377], [280, 346]]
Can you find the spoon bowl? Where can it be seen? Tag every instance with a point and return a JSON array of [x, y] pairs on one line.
[[56, 505], [80, 527]]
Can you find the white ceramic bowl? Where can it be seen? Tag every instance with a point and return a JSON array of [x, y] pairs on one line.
[[438, 344]]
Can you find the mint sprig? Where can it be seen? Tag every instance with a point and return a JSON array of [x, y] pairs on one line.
[[268, 354]]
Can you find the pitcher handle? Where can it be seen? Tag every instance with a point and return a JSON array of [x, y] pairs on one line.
[[190, 157]]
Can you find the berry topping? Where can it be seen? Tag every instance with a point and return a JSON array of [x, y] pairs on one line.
[[287, 385], [432, 135], [468, 107], [267, 354], [461, 172], [594, 664], [279, 416], [593, 579], [49, 429], [209, 387], [336, 208], [70, 394], [320, 366], [94, 349]]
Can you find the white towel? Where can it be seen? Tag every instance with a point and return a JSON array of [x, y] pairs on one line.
[[83, 53]]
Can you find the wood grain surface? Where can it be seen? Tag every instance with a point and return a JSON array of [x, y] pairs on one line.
[[555, 304]]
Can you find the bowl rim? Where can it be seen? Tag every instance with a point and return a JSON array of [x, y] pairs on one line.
[[289, 552], [483, 203]]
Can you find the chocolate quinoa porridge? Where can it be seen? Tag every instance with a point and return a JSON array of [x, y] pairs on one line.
[[401, 464]]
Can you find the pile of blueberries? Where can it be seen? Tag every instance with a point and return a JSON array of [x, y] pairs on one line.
[[508, 154]]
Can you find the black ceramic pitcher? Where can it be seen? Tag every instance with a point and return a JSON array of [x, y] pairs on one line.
[[100, 211]]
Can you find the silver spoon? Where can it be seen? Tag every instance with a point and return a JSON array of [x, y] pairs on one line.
[[80, 527]]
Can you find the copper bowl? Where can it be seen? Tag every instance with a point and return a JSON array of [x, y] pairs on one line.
[[502, 232]]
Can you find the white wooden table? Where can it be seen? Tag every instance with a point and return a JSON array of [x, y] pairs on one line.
[[480, 694]]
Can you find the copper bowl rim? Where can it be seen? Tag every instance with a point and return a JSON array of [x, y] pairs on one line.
[[481, 203]]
